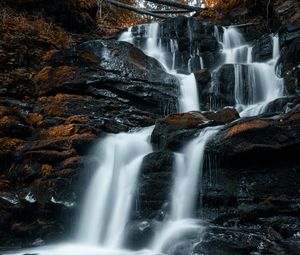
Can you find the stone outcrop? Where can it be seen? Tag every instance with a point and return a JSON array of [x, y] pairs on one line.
[[77, 95]]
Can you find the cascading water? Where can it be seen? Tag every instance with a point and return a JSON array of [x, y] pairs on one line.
[[188, 173], [110, 195], [189, 100], [189, 163], [111, 192], [256, 84]]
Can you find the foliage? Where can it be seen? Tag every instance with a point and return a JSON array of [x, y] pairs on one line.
[[17, 25], [111, 18]]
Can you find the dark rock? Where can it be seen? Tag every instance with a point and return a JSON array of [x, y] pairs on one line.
[[155, 183], [118, 68], [229, 241], [172, 131], [223, 116], [138, 234], [13, 123], [287, 226], [263, 48], [258, 135], [289, 63]]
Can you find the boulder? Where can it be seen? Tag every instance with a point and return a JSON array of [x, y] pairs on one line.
[[155, 184], [172, 131], [110, 70]]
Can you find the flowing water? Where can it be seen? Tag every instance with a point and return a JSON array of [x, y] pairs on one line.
[[256, 84], [111, 192]]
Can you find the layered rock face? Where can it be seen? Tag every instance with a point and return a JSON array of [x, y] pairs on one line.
[[251, 172], [78, 94]]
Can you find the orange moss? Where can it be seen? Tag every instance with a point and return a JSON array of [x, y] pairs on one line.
[[243, 127], [53, 77], [35, 119], [15, 25], [11, 144], [62, 130], [77, 119], [187, 120], [46, 169]]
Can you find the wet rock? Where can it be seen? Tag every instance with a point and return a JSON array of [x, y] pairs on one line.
[[155, 183], [123, 71], [13, 123], [138, 234], [289, 63], [229, 242], [257, 135], [282, 105], [220, 92], [287, 226], [223, 116], [263, 48], [170, 132]]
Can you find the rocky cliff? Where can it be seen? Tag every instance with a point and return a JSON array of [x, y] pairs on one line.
[[59, 97]]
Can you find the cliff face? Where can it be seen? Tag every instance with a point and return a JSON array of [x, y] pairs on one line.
[[60, 92]]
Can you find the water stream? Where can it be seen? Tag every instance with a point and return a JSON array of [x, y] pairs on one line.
[[111, 192], [256, 84]]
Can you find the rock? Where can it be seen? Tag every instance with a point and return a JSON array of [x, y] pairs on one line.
[[287, 226], [282, 105], [174, 130], [228, 242], [223, 116], [263, 48], [258, 135], [203, 76], [154, 184], [289, 63], [138, 234], [221, 93], [13, 123], [116, 70], [170, 131]]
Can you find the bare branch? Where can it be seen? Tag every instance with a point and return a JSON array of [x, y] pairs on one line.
[[176, 5], [137, 10], [170, 11]]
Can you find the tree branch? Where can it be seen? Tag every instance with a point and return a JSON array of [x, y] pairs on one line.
[[170, 11], [176, 5], [137, 10]]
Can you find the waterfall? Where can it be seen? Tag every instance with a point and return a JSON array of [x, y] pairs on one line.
[[112, 189], [189, 99], [187, 177], [256, 84], [111, 192]]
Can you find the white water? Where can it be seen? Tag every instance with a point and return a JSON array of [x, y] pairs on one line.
[[111, 192], [256, 84], [188, 175], [189, 99], [110, 195], [189, 163]]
